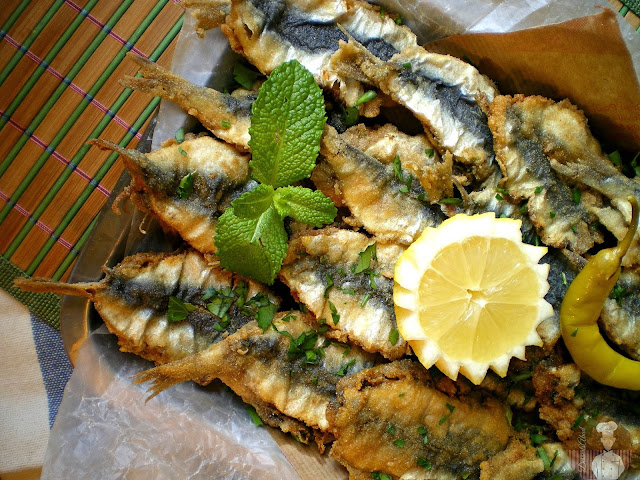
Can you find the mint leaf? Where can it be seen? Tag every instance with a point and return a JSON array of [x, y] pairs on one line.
[[287, 121], [253, 247], [254, 203], [304, 205]]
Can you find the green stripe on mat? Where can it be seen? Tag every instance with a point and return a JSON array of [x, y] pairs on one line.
[[55, 96], [51, 55], [633, 5], [68, 260], [37, 30], [53, 144], [84, 196], [144, 116], [44, 305], [15, 15]]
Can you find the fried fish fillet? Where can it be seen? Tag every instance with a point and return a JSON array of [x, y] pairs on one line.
[[320, 269], [449, 97], [218, 174], [392, 209], [224, 115], [271, 32], [133, 301], [288, 373], [391, 419], [548, 156]]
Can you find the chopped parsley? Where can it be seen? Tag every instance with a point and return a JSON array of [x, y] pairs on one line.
[[380, 476], [178, 310], [451, 408], [225, 124], [575, 332], [182, 152], [391, 429], [329, 280], [303, 343], [185, 189], [253, 415], [335, 316], [399, 443], [618, 293], [552, 214], [245, 76], [364, 262], [394, 336], [424, 463], [538, 190], [425, 434], [521, 376], [451, 201], [576, 194], [343, 370], [180, 135], [366, 97], [429, 152], [365, 299]]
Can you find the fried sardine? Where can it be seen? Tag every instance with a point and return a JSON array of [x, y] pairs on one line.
[[224, 115], [133, 300], [287, 372], [392, 419], [186, 186]]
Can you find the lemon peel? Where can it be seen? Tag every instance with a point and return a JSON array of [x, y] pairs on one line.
[[469, 295]]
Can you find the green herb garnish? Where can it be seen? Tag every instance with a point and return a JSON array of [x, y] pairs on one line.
[[287, 122], [245, 76], [343, 370], [180, 135], [425, 434], [394, 336], [335, 316], [424, 463], [365, 299], [225, 124], [366, 97], [182, 151], [178, 310], [185, 189], [452, 201], [364, 262], [399, 443], [257, 421], [576, 194]]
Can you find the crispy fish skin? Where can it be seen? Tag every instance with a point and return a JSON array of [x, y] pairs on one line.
[[220, 173], [382, 414], [415, 152], [374, 193], [528, 174], [208, 13], [449, 97], [226, 116], [258, 366], [318, 270], [620, 318], [270, 32], [133, 297]]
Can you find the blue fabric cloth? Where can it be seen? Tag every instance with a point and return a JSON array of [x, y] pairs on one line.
[[54, 363]]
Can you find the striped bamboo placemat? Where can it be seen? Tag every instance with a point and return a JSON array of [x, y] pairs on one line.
[[60, 61]]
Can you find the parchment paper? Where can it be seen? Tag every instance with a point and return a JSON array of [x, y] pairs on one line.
[[105, 430]]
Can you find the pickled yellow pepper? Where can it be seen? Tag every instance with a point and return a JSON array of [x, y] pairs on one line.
[[581, 309]]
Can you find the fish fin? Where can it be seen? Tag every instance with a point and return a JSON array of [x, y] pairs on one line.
[[209, 14], [43, 285]]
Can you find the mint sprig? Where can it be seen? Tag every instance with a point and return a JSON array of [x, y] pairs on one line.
[[287, 122]]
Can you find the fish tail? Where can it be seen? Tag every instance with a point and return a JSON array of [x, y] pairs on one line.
[[198, 367], [155, 80], [134, 160], [43, 285]]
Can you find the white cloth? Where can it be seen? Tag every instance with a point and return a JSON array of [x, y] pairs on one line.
[[34, 372]]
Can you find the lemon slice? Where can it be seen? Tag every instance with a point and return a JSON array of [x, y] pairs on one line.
[[469, 295]]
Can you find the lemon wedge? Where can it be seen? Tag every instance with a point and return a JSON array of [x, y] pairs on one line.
[[469, 295]]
